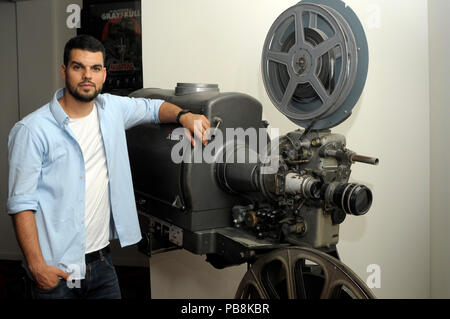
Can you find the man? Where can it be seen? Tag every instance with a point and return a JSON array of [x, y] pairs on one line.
[[70, 188]]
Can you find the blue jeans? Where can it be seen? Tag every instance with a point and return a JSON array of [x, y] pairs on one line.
[[100, 283]]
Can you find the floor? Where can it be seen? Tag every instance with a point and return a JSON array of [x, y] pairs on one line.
[[134, 281]]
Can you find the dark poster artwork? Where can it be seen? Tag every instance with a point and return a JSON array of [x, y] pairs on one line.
[[117, 24]]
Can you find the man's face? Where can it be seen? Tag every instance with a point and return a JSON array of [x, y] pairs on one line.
[[84, 75]]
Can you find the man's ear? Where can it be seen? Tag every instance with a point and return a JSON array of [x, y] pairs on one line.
[[63, 72], [104, 74]]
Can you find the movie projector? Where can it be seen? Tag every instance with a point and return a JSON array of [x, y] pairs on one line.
[[278, 207]]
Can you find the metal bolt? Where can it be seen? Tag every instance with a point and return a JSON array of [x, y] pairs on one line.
[[302, 63]]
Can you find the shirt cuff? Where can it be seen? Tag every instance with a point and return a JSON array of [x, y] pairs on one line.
[[20, 203], [158, 104]]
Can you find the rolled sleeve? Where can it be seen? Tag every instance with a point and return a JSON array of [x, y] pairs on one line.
[[17, 204], [25, 164], [140, 110]]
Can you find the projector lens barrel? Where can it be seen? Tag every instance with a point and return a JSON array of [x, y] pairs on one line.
[[354, 199]]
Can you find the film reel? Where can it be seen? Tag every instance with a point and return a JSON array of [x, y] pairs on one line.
[[314, 63], [301, 273]]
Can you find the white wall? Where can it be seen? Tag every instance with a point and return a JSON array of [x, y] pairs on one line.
[[392, 122], [212, 41], [440, 146]]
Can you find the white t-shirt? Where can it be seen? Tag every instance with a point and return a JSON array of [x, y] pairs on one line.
[[98, 210]]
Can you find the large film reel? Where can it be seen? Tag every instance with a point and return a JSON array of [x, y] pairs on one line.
[[301, 273], [315, 62]]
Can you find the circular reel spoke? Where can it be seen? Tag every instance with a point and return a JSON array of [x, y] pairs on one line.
[[299, 34], [288, 94], [325, 46], [313, 20], [301, 273], [299, 280], [253, 288], [279, 57], [320, 89]]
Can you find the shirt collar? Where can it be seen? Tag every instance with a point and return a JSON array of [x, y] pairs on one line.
[[58, 112]]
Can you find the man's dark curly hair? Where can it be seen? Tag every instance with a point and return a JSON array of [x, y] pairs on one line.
[[83, 42]]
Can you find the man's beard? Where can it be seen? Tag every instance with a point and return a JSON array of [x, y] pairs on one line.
[[83, 98]]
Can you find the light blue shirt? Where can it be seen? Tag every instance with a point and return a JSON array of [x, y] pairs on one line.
[[47, 175]]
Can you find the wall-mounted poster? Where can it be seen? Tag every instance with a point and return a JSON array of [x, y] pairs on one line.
[[117, 24]]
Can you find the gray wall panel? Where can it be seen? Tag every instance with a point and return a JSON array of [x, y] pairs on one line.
[[439, 25], [37, 66], [9, 114]]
